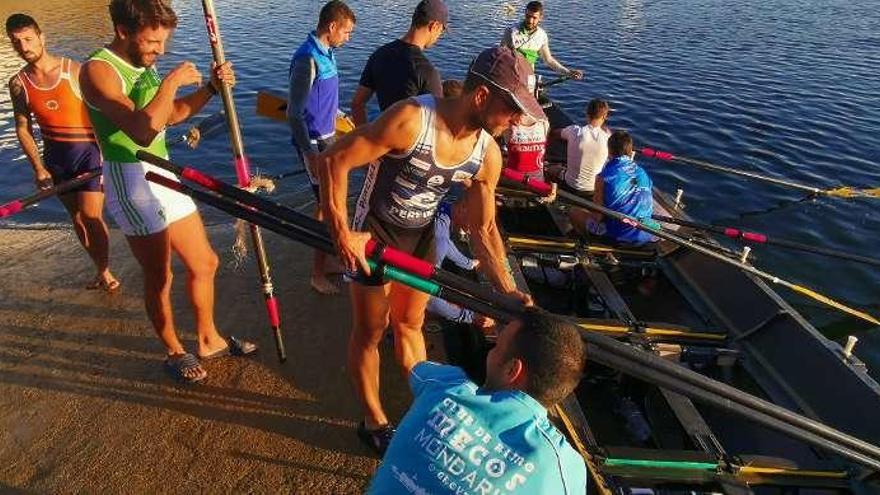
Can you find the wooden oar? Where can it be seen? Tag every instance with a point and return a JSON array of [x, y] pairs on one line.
[[274, 107], [743, 235], [605, 350], [543, 189], [242, 171], [839, 192]]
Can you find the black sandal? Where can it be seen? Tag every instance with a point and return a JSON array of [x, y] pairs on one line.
[[181, 365]]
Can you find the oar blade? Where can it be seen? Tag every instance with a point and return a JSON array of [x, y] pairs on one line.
[[272, 105], [834, 304], [851, 192]]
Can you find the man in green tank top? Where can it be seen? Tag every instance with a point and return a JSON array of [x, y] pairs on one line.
[[130, 106]]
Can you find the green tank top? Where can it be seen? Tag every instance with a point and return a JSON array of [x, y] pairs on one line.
[[140, 85]]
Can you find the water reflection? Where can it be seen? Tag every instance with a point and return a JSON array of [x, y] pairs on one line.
[[769, 86]]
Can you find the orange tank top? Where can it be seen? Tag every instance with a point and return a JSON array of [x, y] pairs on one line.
[[59, 109]]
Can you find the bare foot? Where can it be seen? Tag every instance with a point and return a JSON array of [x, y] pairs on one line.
[[209, 343], [104, 281], [323, 286]]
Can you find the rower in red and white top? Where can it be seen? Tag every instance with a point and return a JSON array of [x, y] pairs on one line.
[[526, 146]]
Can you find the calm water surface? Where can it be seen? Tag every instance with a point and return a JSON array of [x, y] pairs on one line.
[[783, 87]]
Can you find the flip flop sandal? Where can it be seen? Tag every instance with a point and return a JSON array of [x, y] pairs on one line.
[[234, 347], [181, 365]]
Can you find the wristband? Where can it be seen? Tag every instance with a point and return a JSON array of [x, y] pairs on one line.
[[211, 89]]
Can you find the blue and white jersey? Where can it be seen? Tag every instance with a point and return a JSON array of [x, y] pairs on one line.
[[405, 190], [627, 189]]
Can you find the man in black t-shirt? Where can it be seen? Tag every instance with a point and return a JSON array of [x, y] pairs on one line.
[[399, 70]]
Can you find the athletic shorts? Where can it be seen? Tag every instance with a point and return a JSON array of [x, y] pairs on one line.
[[417, 242], [321, 144], [65, 161], [141, 207]]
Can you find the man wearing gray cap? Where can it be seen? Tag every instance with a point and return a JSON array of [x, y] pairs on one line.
[[399, 69], [421, 146]]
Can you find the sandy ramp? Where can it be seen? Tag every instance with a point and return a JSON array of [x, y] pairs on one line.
[[85, 405]]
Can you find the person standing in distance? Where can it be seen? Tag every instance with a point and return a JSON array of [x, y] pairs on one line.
[[399, 70], [530, 40]]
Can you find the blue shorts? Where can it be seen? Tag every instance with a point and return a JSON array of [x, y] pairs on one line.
[[64, 161], [321, 145]]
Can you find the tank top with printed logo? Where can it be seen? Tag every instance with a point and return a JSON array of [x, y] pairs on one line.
[[59, 109], [140, 84], [405, 190]]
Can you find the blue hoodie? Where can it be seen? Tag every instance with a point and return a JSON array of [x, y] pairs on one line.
[[323, 100]]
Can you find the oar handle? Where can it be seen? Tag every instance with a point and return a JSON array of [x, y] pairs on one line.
[[758, 238], [533, 184], [666, 156], [20, 204], [321, 241], [11, 208], [424, 269]]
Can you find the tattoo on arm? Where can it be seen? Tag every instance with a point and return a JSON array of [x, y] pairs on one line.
[[24, 129]]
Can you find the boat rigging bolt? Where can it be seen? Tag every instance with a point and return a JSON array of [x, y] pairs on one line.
[[850, 345], [745, 254]]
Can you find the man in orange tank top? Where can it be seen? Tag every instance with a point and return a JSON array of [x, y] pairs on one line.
[[46, 90]]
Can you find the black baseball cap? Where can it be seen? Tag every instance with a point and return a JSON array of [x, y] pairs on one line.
[[509, 72]]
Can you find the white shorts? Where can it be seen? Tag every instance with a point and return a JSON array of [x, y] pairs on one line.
[[141, 207]]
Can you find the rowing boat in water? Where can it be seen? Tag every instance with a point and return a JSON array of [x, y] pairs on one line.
[[708, 316]]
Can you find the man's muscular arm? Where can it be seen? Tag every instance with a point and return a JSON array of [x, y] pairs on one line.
[[485, 236], [187, 106], [102, 90], [396, 129], [24, 130]]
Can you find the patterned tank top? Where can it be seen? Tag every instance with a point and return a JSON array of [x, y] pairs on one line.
[[59, 109], [405, 190]]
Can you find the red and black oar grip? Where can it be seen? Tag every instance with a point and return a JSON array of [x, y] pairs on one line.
[[399, 259], [748, 236], [164, 181], [11, 208], [660, 155], [388, 255], [537, 186], [188, 173]]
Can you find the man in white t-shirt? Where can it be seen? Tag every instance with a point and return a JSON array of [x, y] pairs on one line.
[[531, 41], [586, 149]]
